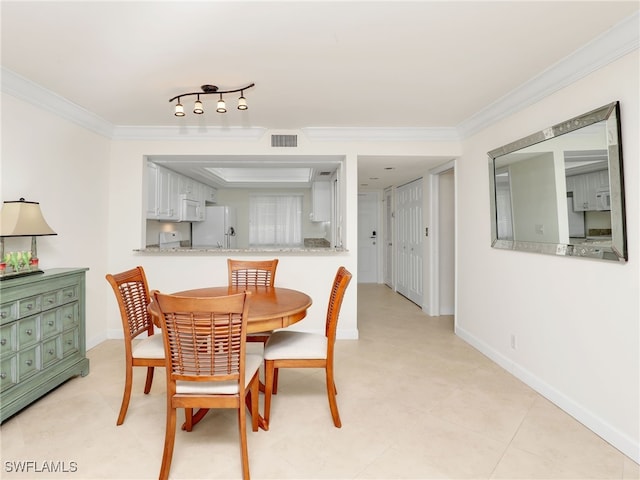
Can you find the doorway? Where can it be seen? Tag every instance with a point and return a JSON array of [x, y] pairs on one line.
[[368, 232], [442, 188]]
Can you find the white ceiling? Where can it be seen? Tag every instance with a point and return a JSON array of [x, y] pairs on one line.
[[315, 64]]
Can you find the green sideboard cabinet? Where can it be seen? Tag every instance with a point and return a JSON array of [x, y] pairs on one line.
[[42, 335]]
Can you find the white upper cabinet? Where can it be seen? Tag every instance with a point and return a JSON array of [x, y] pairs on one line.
[[166, 190]]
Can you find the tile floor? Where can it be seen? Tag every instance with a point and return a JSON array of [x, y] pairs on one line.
[[416, 403]]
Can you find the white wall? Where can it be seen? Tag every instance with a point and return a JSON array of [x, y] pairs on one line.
[[63, 166], [576, 321], [312, 274]]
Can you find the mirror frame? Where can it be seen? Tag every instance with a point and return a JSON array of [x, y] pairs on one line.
[[617, 250]]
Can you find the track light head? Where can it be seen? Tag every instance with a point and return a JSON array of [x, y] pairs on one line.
[[222, 107], [197, 107], [179, 111], [242, 102]]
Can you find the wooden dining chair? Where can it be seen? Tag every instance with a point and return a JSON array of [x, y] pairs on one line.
[[132, 293], [253, 272], [286, 349], [206, 362]]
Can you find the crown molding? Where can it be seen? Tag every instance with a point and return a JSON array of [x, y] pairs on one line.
[[24, 89], [125, 132], [404, 134], [621, 39]]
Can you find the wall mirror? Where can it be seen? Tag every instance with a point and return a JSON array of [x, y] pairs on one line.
[[560, 191]]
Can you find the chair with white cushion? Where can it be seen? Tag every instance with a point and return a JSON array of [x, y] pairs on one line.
[[132, 293], [207, 366], [289, 349]]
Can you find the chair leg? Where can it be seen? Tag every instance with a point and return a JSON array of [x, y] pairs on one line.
[[127, 393], [244, 452], [269, 373], [255, 411], [275, 381], [169, 441], [149, 381], [331, 393]]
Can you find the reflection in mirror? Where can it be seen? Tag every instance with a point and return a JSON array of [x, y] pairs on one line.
[[560, 190]]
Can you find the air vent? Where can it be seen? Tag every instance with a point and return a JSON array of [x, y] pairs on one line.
[[284, 140]]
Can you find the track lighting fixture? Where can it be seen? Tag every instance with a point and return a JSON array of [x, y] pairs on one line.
[[221, 106]]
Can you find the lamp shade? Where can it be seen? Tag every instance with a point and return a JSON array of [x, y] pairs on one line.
[[19, 218]]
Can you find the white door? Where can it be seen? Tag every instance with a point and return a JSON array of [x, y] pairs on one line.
[[368, 244], [409, 277], [389, 234]]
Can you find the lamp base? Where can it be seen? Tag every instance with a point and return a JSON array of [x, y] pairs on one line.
[[8, 275]]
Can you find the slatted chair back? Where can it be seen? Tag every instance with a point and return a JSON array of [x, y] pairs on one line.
[[252, 272], [132, 292], [340, 284], [204, 336]]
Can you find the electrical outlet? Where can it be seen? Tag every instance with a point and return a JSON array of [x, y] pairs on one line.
[[513, 342]]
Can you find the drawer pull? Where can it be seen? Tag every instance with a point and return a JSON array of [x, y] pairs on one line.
[[30, 306], [69, 294], [69, 342], [51, 352], [69, 316], [29, 331], [3, 341], [3, 375], [50, 301], [3, 315], [50, 323], [29, 362]]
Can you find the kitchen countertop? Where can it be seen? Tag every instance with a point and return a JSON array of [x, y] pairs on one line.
[[155, 249]]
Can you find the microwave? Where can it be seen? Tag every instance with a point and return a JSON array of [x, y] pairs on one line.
[[189, 209], [603, 200]]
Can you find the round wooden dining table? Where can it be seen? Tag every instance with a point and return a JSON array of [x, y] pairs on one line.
[[270, 308]]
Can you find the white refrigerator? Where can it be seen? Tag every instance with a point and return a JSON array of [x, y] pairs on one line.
[[217, 230]]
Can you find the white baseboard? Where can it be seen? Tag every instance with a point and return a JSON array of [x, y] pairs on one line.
[[618, 439]]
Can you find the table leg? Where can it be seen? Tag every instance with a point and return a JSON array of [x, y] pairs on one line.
[[199, 415]]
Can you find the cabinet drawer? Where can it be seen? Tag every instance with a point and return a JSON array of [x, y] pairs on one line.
[[8, 372], [70, 316], [68, 294], [28, 362], [9, 312], [29, 306], [28, 331], [70, 342], [8, 339], [49, 324], [49, 300], [51, 351]]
